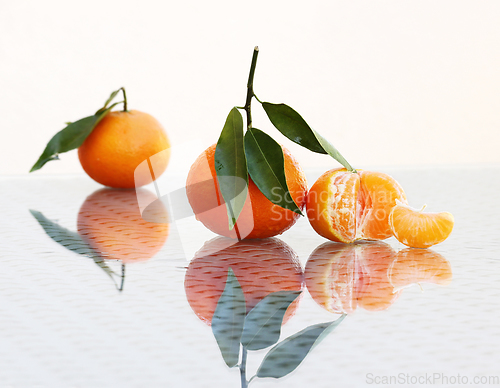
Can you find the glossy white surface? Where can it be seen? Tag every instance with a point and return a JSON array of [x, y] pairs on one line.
[[63, 323]]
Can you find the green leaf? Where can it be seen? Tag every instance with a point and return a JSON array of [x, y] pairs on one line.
[[69, 138], [231, 166], [266, 166], [332, 151], [228, 320], [291, 124], [111, 97], [289, 353], [263, 323], [71, 241]]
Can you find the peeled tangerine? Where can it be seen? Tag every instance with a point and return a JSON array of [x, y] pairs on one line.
[[417, 229], [347, 206]]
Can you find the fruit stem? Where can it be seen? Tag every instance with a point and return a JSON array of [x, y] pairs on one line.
[[124, 99], [250, 93]]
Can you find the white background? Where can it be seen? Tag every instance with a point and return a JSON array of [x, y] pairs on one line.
[[389, 83]]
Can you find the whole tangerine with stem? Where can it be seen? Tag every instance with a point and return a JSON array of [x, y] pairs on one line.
[[259, 218], [110, 221], [346, 206], [119, 144], [261, 267]]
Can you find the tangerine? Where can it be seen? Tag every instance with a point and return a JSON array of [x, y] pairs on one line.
[[261, 267], [416, 229], [110, 221], [259, 218], [121, 142], [347, 206]]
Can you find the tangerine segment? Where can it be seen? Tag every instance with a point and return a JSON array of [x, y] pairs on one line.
[[417, 229], [378, 195], [343, 206]]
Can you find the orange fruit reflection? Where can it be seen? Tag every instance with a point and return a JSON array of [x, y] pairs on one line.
[[341, 277], [413, 266], [119, 143], [261, 267], [345, 207], [260, 218], [111, 223], [417, 229]]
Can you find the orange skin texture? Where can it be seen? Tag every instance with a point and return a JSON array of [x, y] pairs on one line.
[[343, 206], [342, 277], [110, 222], [413, 266], [420, 230], [261, 267], [119, 144], [260, 218]]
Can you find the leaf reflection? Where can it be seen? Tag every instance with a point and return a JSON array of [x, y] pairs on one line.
[[73, 242], [228, 320], [286, 356], [263, 323]]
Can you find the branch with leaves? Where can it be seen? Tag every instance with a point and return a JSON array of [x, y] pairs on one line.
[[253, 153], [74, 134], [237, 332]]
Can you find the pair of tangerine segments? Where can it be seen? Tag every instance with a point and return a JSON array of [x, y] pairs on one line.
[[344, 206]]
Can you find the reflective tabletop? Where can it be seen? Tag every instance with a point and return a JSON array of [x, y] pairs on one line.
[[100, 289]]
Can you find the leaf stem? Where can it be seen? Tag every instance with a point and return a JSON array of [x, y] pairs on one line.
[[123, 278], [124, 99], [250, 93]]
